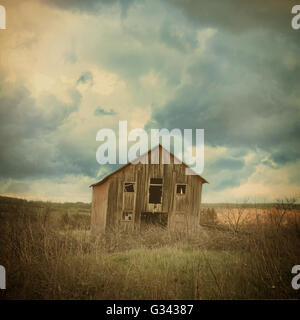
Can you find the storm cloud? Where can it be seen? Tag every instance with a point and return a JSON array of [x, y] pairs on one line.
[[240, 97], [236, 16], [32, 144], [91, 6], [228, 67], [102, 112]]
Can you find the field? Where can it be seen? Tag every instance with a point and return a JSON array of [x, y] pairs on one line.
[[238, 252]]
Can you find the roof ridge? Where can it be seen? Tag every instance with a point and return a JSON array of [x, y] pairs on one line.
[[147, 152]]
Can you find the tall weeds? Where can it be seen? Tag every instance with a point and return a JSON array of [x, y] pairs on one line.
[[56, 257]]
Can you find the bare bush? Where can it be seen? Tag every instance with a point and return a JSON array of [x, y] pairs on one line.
[[50, 257], [235, 217], [277, 215], [208, 217]]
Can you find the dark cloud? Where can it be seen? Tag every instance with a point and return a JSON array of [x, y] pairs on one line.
[[86, 77], [28, 132], [227, 163], [226, 171], [239, 16], [283, 157], [227, 183], [241, 84], [243, 97], [178, 36], [91, 6], [101, 112], [76, 155]]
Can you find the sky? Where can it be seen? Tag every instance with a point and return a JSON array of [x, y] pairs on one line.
[[70, 68]]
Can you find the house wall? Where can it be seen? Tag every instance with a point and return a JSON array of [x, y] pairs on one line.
[[99, 207], [183, 210], [116, 200]]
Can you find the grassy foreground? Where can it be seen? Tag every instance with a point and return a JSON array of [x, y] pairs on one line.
[[52, 255]]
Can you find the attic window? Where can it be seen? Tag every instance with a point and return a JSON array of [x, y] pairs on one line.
[[180, 188], [127, 216], [129, 187]]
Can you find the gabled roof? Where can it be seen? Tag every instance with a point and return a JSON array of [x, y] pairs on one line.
[[128, 164]]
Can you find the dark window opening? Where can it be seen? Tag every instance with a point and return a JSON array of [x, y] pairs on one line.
[[155, 194], [155, 190], [127, 216], [180, 189], [129, 187], [156, 181]]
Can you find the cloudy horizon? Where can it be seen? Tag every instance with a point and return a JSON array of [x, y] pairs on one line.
[[70, 68]]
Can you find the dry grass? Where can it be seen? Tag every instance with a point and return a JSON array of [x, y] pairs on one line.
[[54, 256]]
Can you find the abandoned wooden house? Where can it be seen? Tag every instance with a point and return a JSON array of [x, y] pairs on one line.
[[139, 194]]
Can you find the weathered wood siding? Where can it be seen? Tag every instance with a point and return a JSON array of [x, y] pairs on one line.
[[183, 210], [99, 207]]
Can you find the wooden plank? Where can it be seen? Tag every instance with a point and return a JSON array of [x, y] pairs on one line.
[[178, 207]]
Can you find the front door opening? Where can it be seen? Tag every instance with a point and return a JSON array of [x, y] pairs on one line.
[[155, 191]]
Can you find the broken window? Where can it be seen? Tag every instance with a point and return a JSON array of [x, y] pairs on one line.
[[180, 188], [155, 190], [127, 216], [129, 187]]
